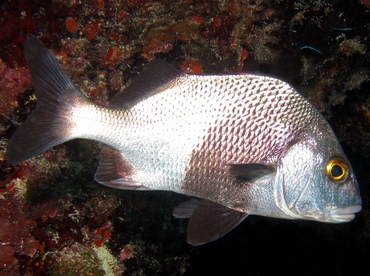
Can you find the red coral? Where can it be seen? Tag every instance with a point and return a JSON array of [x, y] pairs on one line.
[[126, 253], [99, 4], [216, 22], [103, 234], [191, 65], [15, 236], [71, 25], [113, 55], [91, 30], [13, 82]]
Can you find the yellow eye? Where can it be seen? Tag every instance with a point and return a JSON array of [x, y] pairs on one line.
[[337, 169]]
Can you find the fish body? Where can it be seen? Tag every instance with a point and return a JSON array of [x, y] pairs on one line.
[[244, 144]]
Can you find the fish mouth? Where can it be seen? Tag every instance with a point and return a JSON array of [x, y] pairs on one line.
[[344, 214]]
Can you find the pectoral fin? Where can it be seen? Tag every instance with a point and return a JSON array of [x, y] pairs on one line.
[[250, 172], [185, 209], [209, 221]]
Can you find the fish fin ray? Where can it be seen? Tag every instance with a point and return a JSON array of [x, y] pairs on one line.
[[123, 184], [155, 77], [46, 126], [211, 221], [185, 209], [250, 172], [116, 171]]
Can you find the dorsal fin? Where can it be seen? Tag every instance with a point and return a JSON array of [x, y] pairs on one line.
[[156, 76]]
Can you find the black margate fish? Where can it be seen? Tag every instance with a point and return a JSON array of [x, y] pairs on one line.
[[242, 144]]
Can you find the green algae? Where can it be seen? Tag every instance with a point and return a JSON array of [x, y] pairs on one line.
[[77, 261]]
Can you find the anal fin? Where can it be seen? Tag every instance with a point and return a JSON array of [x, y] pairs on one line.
[[116, 171], [209, 221]]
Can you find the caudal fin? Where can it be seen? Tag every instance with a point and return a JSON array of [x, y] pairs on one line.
[[48, 125]]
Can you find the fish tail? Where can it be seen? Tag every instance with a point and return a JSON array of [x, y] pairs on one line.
[[50, 123]]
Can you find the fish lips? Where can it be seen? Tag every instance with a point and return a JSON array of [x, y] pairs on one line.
[[344, 214], [347, 213]]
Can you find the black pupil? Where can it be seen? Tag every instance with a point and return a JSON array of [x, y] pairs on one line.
[[336, 171]]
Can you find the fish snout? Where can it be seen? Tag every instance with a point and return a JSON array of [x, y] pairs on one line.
[[344, 214]]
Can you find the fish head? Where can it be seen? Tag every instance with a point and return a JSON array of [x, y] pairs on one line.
[[315, 180]]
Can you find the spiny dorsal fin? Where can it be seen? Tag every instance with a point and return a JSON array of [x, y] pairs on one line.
[[210, 221], [155, 77], [116, 171], [250, 172]]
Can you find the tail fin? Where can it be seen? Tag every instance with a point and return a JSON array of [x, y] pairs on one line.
[[48, 125]]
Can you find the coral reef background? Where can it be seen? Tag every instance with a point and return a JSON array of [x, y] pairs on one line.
[[55, 220]]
